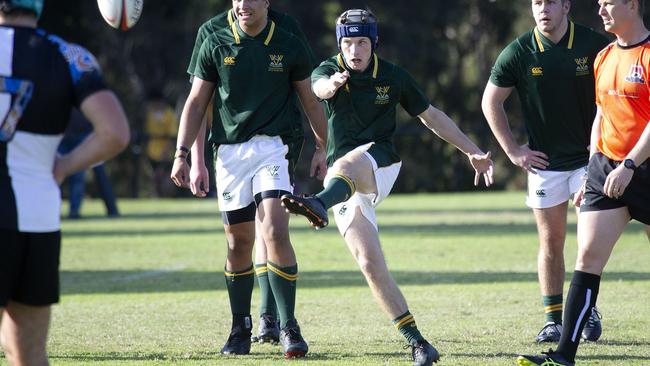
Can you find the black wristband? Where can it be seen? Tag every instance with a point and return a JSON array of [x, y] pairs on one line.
[[184, 149]]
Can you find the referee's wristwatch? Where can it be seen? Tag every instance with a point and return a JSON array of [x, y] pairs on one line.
[[629, 164]]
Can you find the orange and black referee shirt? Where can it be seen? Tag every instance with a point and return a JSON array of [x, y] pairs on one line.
[[623, 95]]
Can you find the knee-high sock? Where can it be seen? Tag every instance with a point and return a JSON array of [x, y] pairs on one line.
[[579, 302], [240, 290], [283, 282], [267, 300]]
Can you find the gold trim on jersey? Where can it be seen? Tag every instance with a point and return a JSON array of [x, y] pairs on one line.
[[538, 38], [270, 35], [233, 27], [235, 34], [375, 69]]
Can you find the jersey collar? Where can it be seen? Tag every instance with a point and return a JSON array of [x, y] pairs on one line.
[[541, 40], [238, 33]]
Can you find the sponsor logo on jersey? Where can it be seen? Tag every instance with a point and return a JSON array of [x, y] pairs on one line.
[[540, 193], [636, 74], [343, 209], [276, 63], [274, 171], [582, 67], [382, 95], [229, 60], [537, 71], [226, 196]]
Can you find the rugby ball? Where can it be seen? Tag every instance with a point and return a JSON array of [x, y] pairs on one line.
[[120, 14]]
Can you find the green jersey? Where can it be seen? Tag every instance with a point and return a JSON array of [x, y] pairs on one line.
[[555, 83], [282, 20], [364, 109], [226, 19], [254, 77]]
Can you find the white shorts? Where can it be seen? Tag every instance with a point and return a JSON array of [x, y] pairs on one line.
[[246, 169], [549, 188], [385, 178]]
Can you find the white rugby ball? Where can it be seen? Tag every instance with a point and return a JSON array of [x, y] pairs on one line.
[[120, 14]]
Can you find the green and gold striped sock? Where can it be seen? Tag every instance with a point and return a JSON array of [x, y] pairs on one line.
[[240, 290], [405, 324], [267, 301], [553, 308], [283, 283], [339, 189]]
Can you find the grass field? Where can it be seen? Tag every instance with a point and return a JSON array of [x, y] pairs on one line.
[[148, 289]]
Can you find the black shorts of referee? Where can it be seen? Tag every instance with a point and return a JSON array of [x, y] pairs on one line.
[[636, 196]]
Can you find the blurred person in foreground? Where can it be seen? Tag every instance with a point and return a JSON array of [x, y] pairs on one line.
[[42, 78]]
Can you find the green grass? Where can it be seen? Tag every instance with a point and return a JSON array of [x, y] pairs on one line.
[[147, 288]]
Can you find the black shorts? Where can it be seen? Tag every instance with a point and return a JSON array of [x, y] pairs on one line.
[[29, 267], [636, 196]]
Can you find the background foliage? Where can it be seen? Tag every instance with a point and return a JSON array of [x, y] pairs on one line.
[[449, 46]]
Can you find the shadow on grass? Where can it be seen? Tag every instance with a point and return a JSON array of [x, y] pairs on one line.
[[173, 280], [440, 229]]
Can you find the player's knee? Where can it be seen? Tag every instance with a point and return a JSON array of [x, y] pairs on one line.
[[276, 236]]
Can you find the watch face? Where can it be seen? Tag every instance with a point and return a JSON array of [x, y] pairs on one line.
[[629, 163]]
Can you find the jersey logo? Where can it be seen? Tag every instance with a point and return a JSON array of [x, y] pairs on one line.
[[226, 196], [540, 193], [582, 67], [229, 60], [276, 63], [537, 71], [20, 91], [636, 74], [382, 95]]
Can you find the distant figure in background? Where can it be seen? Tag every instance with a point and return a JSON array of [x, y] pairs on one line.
[[77, 131], [160, 128]]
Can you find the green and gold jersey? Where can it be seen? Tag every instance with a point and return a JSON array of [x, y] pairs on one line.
[[364, 109], [282, 20], [555, 83], [254, 77], [226, 18]]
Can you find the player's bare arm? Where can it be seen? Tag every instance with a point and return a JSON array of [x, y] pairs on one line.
[[316, 116], [438, 122], [522, 156], [191, 121], [109, 137], [326, 88]]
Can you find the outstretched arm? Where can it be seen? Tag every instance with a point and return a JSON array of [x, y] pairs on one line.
[[522, 156], [316, 116], [438, 122]]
